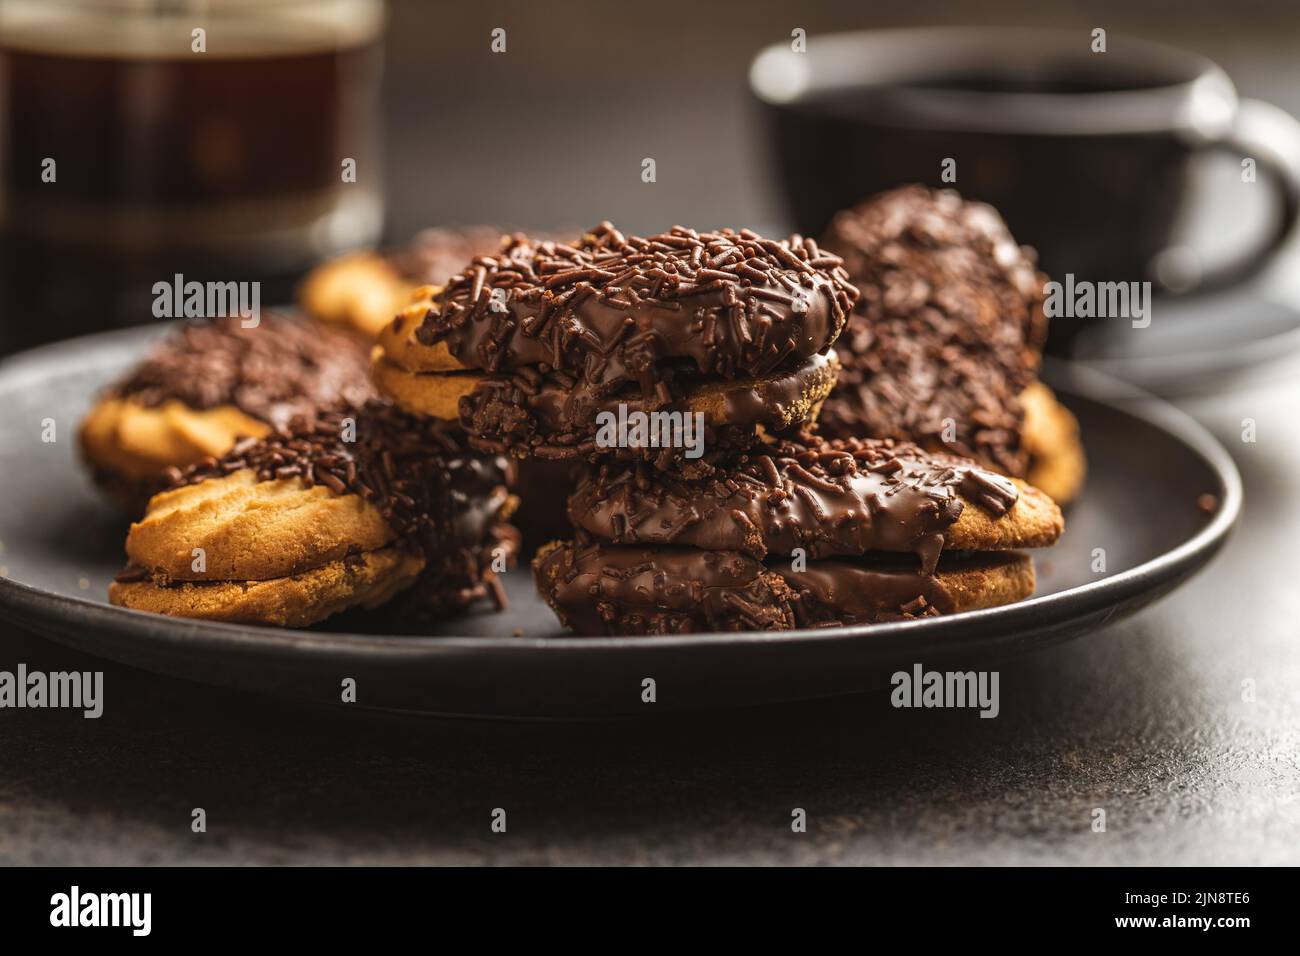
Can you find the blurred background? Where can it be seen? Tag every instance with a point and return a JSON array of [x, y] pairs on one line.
[[227, 164]]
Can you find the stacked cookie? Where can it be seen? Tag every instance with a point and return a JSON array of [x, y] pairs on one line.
[[208, 384], [345, 509], [532, 349], [763, 525], [795, 532], [944, 345]]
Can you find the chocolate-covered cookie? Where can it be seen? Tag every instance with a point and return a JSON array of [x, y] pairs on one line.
[[341, 510], [540, 347], [602, 589], [823, 498], [556, 416], [798, 531], [947, 331], [612, 309], [208, 384]]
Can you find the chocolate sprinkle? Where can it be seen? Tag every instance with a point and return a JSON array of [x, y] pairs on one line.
[[280, 369], [443, 499], [827, 498], [597, 588], [947, 331], [612, 308], [552, 417]]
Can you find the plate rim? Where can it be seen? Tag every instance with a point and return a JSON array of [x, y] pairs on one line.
[[1176, 373], [29, 602]]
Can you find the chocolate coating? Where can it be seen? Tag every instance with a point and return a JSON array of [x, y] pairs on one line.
[[280, 369], [555, 416], [948, 328], [607, 589], [845, 592], [611, 309], [827, 498], [604, 589]]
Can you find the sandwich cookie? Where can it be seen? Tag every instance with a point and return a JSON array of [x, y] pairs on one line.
[[601, 589], [207, 385], [674, 349], [795, 533], [947, 332], [611, 309], [343, 510], [538, 347], [824, 498]]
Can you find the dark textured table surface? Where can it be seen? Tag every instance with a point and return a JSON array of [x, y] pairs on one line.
[[1145, 720]]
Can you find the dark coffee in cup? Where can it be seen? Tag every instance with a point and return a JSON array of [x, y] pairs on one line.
[[1086, 154], [203, 139]]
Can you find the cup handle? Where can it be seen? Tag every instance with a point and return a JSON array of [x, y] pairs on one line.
[[1270, 136]]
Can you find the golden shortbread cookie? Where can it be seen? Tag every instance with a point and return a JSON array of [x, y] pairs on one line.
[[1034, 521], [208, 383], [123, 436], [251, 530], [975, 586], [971, 585], [770, 402], [364, 290], [436, 395], [361, 291], [363, 580], [400, 345], [824, 499], [1057, 463]]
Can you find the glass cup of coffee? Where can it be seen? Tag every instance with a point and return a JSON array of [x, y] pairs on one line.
[[223, 140]]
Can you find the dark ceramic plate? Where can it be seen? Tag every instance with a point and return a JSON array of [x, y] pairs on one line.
[[1193, 346], [60, 545]]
